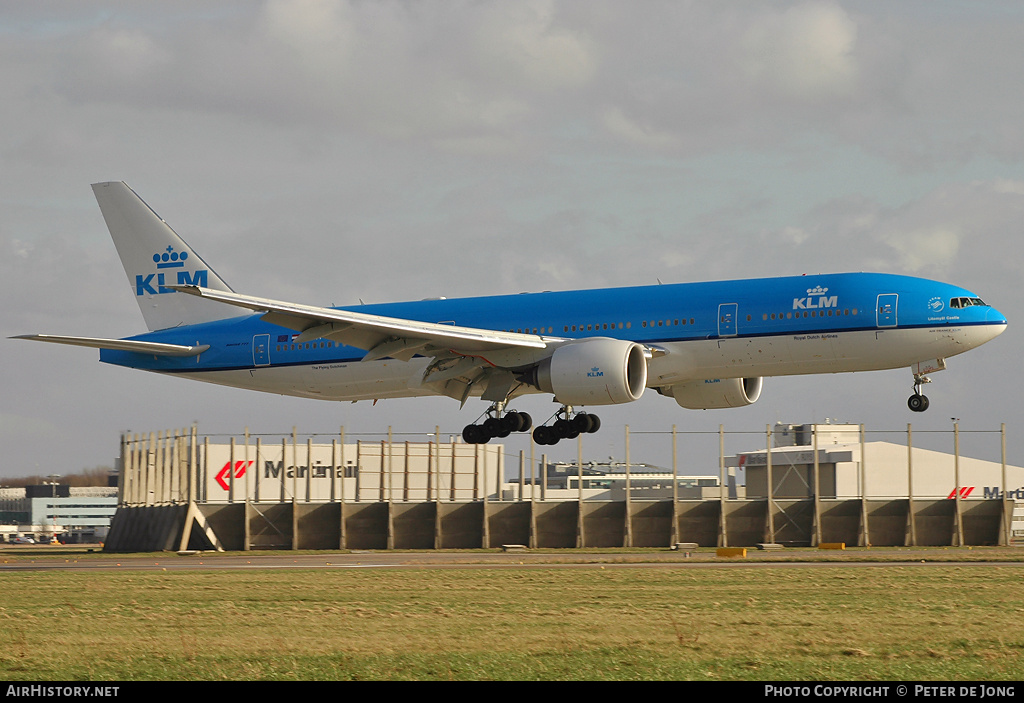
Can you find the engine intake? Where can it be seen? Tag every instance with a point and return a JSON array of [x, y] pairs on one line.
[[592, 371], [714, 393]]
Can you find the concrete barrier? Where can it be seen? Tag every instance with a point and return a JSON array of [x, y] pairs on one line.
[[472, 525], [509, 523]]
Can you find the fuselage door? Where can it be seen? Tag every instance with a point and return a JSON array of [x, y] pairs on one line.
[[885, 310], [261, 350], [727, 319]]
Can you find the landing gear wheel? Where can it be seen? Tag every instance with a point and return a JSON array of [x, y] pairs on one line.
[[475, 434], [583, 422], [918, 403], [593, 422], [525, 422], [496, 427], [563, 428], [545, 435]]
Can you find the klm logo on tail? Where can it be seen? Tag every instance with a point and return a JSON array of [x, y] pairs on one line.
[[154, 283]]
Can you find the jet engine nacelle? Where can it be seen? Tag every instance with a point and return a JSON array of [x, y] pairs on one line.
[[593, 371], [714, 393]]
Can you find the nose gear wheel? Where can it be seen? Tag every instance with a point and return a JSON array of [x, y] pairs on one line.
[[918, 402]]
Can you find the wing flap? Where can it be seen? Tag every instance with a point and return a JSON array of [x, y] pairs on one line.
[[155, 348]]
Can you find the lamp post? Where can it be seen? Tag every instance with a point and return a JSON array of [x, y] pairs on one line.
[[53, 483]]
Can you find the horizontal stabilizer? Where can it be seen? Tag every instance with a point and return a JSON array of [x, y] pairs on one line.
[[155, 348]]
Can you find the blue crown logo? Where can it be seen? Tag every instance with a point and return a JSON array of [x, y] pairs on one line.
[[170, 259]]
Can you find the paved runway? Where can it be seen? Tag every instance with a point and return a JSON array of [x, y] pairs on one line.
[[43, 558]]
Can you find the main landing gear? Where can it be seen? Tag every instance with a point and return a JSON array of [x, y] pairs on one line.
[[501, 424], [566, 427], [498, 424], [918, 402]]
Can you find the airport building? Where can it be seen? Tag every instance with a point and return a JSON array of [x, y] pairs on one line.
[[835, 462], [609, 480], [72, 514], [848, 466], [817, 483]]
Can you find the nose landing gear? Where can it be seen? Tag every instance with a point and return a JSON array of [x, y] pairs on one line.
[[918, 402]]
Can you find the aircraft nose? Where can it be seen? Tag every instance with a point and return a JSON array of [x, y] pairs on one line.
[[994, 317]]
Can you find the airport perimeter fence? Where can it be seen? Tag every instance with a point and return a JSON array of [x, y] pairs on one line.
[[178, 466], [804, 485]]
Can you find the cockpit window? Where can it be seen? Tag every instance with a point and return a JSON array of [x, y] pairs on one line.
[[966, 302]]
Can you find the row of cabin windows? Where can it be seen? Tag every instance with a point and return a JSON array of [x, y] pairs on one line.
[[806, 313], [667, 323], [536, 330], [597, 327], [308, 345], [621, 325]]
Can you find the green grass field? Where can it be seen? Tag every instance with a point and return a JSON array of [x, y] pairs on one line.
[[533, 623]]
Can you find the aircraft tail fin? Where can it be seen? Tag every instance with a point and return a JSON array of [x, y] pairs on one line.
[[155, 257]]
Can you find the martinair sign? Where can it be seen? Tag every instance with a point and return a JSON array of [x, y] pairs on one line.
[[990, 493], [290, 467], [322, 472]]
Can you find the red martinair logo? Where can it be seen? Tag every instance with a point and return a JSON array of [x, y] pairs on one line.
[[223, 476], [964, 492]]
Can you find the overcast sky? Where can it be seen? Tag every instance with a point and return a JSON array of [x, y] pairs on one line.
[[330, 152]]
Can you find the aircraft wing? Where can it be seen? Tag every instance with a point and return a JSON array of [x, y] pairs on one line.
[[381, 336], [155, 348]]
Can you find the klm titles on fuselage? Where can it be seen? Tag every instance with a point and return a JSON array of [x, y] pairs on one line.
[[816, 299]]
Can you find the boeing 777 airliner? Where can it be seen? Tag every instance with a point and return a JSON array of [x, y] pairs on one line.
[[707, 345]]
